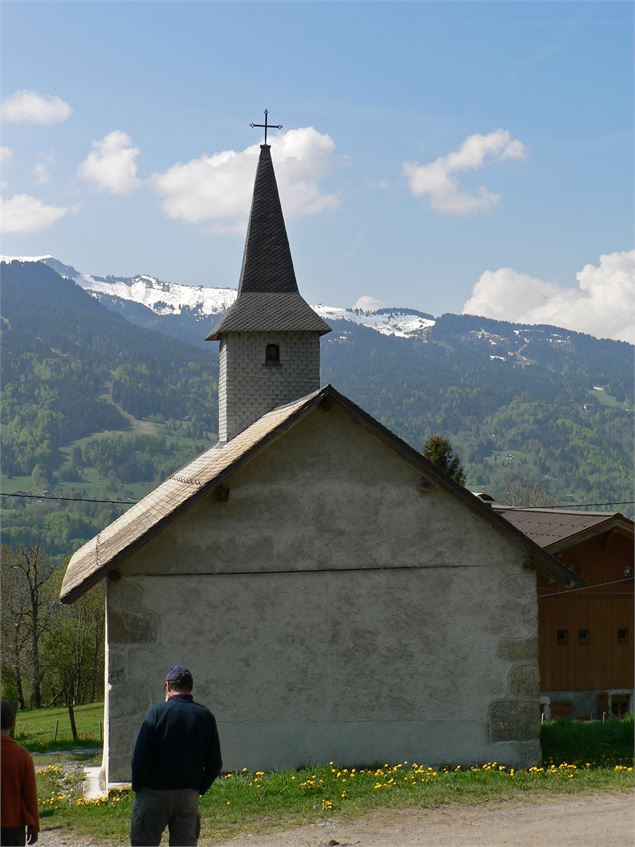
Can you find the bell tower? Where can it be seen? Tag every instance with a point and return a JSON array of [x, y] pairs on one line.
[[270, 337]]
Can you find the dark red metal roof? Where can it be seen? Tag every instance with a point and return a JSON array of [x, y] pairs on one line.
[[551, 527]]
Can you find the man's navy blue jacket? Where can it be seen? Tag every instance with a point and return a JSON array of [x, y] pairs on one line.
[[177, 747]]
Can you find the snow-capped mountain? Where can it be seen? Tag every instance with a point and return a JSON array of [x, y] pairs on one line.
[[172, 298], [508, 395]]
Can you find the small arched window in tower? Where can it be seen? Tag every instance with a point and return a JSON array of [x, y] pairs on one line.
[[272, 354]]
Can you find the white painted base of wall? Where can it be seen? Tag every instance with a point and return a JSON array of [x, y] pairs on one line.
[[248, 745], [94, 783]]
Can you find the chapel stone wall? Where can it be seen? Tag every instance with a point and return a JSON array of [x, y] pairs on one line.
[[332, 608]]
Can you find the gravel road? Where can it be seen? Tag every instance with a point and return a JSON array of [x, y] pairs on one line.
[[563, 821]]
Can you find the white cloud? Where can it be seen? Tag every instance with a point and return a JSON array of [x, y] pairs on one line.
[[41, 173], [112, 163], [218, 188], [368, 304], [601, 305], [435, 180], [6, 154], [24, 213], [35, 108]]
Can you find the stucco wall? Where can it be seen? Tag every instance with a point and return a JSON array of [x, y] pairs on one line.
[[330, 609]]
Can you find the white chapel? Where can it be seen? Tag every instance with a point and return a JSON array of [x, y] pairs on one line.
[[335, 595]]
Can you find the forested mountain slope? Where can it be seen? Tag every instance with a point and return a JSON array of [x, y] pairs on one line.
[[540, 404], [96, 406]]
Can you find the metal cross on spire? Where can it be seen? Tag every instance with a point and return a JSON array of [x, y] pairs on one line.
[[267, 125]]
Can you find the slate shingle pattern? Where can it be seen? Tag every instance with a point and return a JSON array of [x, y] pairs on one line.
[[272, 312], [268, 296], [248, 388], [267, 262]]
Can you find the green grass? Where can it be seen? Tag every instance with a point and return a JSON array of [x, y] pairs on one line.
[[9, 484], [35, 729], [258, 802], [606, 399], [579, 757]]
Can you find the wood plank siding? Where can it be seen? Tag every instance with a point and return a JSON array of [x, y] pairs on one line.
[[597, 650]]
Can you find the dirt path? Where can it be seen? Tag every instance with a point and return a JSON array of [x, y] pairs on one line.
[[563, 821]]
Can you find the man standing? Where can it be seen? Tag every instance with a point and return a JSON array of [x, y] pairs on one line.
[[176, 758], [18, 794]]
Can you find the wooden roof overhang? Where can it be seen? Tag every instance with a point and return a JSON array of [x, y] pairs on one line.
[[616, 523]]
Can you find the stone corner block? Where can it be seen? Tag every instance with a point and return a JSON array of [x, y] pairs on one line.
[[514, 720], [518, 649], [525, 681]]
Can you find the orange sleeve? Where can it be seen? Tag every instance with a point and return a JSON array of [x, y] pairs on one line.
[[29, 796]]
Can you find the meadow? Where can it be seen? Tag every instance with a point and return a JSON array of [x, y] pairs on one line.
[[261, 802], [42, 730]]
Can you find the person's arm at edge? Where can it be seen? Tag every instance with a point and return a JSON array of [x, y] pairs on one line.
[[142, 755], [30, 802], [213, 760]]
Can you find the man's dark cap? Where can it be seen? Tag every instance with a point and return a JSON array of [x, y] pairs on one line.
[[182, 674]]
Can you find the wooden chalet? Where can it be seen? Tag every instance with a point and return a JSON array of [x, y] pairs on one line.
[[585, 635]]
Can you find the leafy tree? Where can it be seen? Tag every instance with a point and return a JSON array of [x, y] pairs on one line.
[[39, 477], [440, 452], [14, 634], [28, 603], [75, 650], [526, 494]]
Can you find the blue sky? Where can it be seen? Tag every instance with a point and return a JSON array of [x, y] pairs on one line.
[[441, 155]]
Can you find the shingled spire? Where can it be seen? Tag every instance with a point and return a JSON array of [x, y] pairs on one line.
[[268, 296], [270, 350], [267, 262]]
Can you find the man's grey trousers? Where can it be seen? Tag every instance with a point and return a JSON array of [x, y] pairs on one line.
[[154, 809]]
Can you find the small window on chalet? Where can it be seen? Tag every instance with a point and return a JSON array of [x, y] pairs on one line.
[[562, 637], [584, 636], [620, 704], [622, 636], [272, 354]]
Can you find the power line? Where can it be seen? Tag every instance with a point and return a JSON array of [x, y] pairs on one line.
[[132, 502], [587, 587], [71, 499], [582, 505]]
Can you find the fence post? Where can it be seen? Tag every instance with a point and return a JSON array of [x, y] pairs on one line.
[[57, 726]]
